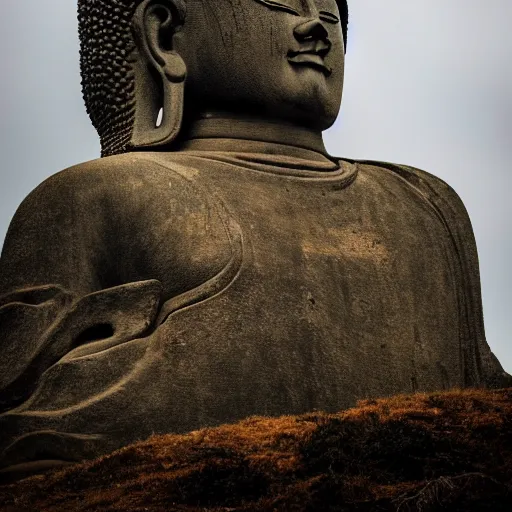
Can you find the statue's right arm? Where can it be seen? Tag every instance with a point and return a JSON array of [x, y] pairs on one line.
[[52, 295]]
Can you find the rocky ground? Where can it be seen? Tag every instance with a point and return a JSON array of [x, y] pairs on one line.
[[440, 451]]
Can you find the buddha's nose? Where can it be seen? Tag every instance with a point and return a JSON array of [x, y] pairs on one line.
[[312, 29]]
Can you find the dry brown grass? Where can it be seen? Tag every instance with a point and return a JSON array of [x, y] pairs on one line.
[[440, 451]]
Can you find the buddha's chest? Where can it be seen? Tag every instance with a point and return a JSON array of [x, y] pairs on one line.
[[374, 255], [365, 255], [341, 282], [351, 271]]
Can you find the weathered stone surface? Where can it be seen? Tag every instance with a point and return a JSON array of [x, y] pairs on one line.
[[222, 264]]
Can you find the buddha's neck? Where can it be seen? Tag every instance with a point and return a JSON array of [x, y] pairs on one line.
[[226, 126]]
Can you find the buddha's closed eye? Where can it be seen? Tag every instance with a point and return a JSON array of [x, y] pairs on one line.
[[294, 7]]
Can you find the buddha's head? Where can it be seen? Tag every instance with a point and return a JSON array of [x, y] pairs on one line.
[[281, 60]]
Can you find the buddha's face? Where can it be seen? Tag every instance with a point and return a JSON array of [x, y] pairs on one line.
[[280, 59]]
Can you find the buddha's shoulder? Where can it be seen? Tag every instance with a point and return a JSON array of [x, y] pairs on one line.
[[430, 186], [115, 170], [111, 176], [117, 189]]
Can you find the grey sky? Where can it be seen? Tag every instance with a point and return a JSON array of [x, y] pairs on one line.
[[428, 83]]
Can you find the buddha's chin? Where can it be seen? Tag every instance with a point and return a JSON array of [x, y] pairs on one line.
[[315, 101], [318, 121], [314, 111]]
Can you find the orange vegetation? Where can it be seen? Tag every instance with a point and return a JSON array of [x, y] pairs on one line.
[[440, 451]]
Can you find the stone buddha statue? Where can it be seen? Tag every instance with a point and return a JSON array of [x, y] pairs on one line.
[[216, 262]]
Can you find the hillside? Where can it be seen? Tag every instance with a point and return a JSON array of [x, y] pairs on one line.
[[439, 451]]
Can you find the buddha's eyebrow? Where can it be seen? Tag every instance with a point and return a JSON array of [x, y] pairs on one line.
[[327, 10], [273, 4], [329, 17]]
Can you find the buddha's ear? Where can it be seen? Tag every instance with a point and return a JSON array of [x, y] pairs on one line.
[[160, 73]]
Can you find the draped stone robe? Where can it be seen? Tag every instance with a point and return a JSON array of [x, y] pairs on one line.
[[164, 292]]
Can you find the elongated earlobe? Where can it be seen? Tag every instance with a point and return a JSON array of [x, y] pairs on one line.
[[160, 74]]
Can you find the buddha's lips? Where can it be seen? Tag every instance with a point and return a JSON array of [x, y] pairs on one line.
[[312, 55]]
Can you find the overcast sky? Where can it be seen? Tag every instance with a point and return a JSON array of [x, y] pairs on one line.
[[428, 83]]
